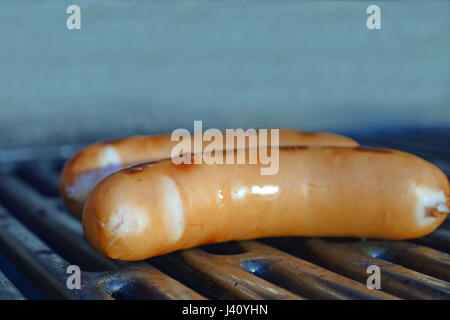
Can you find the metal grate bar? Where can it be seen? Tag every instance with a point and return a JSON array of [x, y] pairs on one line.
[[50, 223], [140, 281], [413, 256], [41, 176], [301, 276], [296, 275], [7, 290], [41, 264], [352, 261], [439, 239], [220, 280]]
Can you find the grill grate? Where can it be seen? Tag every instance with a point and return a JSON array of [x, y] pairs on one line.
[[40, 240]]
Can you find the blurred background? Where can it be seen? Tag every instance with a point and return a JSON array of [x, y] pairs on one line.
[[153, 66]]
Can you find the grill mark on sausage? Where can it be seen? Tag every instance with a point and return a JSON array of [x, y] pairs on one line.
[[308, 133], [292, 148], [135, 169], [139, 167], [372, 149]]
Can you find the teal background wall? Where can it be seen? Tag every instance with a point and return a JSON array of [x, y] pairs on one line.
[[152, 66]]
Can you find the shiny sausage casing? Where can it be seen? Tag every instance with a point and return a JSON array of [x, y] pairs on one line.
[[86, 168], [156, 208]]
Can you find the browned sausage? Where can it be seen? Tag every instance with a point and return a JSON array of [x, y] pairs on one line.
[[152, 209]]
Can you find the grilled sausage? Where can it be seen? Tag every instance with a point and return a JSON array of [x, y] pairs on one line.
[[86, 168], [156, 208]]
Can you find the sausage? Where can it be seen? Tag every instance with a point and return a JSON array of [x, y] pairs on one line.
[[86, 168], [155, 208]]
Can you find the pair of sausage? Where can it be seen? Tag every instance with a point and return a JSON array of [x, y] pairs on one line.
[[158, 207]]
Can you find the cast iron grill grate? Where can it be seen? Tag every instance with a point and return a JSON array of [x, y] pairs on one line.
[[39, 240]]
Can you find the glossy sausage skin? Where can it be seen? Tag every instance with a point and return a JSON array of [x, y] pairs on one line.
[[86, 168], [156, 208]]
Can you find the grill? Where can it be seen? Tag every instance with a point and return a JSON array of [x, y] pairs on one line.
[[39, 240]]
